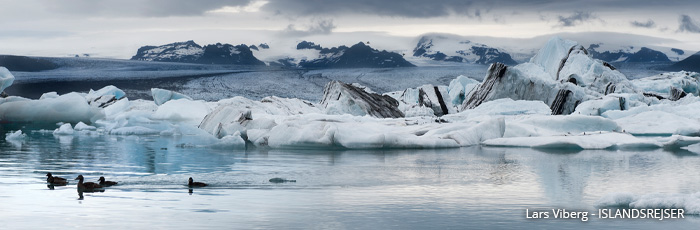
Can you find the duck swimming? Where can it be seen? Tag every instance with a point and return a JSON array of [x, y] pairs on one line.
[[192, 183], [280, 180], [106, 183], [55, 180], [87, 185]]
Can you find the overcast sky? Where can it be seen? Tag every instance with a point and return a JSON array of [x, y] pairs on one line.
[[108, 28]]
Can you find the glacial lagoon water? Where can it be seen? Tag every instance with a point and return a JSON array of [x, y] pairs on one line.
[[467, 188]]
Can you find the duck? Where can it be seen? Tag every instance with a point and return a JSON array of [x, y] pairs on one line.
[[106, 183], [280, 180], [55, 180], [87, 185], [192, 183]]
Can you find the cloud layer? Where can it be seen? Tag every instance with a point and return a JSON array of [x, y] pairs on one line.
[[575, 19], [687, 24], [325, 26], [138, 8], [648, 24]]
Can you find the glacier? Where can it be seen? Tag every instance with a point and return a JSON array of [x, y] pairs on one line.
[[561, 99]]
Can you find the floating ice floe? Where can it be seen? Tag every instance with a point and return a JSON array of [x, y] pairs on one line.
[[71, 107], [6, 79], [65, 129], [689, 202], [15, 136], [597, 140]]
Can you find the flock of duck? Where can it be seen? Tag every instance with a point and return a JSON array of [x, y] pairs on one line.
[[92, 186]]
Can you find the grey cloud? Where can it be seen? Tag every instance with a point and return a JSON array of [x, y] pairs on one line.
[[647, 24], [319, 27], [404, 8], [440, 8], [575, 19], [33, 34], [687, 24], [138, 8]]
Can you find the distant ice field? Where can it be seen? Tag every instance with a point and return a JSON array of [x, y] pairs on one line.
[[215, 82]]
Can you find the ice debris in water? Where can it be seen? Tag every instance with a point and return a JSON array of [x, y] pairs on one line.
[[65, 129], [83, 127], [6, 79], [15, 136]]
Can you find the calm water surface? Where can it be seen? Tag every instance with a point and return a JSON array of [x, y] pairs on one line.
[[467, 188]]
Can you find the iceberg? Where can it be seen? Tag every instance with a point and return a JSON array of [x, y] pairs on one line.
[[161, 96], [348, 132], [84, 127], [525, 82], [561, 74], [599, 140], [182, 111], [105, 96], [422, 98], [561, 99], [666, 84], [49, 95], [15, 136], [65, 129], [659, 123], [71, 107], [6, 79], [341, 98], [460, 87]]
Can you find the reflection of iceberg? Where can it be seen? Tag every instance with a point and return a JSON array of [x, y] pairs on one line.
[[689, 202], [66, 141]]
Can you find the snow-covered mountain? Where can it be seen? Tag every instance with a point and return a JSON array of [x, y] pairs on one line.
[[454, 49], [191, 52], [631, 54], [306, 55], [692, 63], [188, 51], [359, 55]]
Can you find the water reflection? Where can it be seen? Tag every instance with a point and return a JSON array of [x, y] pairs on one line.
[[442, 188], [81, 191]]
